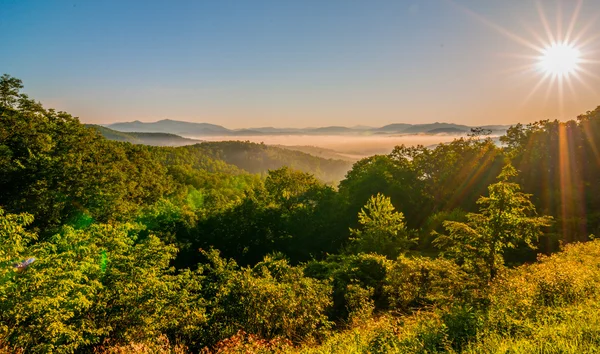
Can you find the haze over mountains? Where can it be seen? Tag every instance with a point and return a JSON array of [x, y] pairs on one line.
[[207, 129]]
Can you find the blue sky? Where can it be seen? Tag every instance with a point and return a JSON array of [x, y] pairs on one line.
[[292, 63]]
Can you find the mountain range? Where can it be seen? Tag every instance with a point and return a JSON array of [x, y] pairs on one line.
[[206, 129]]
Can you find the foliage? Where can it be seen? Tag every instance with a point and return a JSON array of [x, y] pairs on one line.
[[115, 234], [507, 218], [260, 158], [346, 273], [382, 229], [67, 299], [270, 300], [242, 343], [419, 282]]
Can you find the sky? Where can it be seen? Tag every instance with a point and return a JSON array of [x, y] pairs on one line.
[[300, 63]]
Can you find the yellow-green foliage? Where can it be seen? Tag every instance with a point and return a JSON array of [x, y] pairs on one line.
[[89, 285], [270, 300], [549, 306], [421, 281], [419, 333]]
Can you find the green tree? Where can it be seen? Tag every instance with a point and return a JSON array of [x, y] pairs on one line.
[[90, 285], [9, 90], [507, 219], [394, 177], [382, 229]]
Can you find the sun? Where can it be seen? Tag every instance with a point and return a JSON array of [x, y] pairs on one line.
[[560, 59]]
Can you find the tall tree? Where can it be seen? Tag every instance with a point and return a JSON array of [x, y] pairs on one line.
[[506, 219], [382, 229]]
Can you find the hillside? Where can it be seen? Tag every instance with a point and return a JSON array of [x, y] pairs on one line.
[[156, 139], [319, 152], [250, 157], [260, 158]]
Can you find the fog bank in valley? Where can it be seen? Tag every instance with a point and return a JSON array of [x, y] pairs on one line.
[[351, 146]]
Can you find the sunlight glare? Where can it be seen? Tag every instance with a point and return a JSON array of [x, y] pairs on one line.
[[560, 59]]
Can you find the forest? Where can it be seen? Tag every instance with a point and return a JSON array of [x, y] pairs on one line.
[[234, 247]]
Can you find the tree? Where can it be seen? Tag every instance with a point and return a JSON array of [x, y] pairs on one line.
[[507, 218], [393, 176], [382, 229], [9, 90], [89, 285], [290, 188]]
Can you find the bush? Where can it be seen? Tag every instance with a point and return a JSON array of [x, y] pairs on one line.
[[419, 282], [94, 284], [359, 303], [462, 325], [346, 273], [270, 300]]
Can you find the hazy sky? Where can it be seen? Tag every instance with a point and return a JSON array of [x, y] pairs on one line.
[[296, 63]]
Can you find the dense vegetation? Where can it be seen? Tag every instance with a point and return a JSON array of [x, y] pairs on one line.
[[250, 157], [158, 139], [194, 248]]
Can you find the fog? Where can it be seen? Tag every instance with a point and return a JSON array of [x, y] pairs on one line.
[[352, 146]]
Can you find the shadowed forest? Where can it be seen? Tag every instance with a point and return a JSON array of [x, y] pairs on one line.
[[236, 247]]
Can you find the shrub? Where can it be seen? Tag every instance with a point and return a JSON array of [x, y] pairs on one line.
[[367, 271], [531, 291], [359, 303], [89, 285], [418, 282], [271, 300]]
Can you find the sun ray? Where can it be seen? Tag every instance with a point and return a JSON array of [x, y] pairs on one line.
[[559, 22], [589, 73], [519, 56], [497, 27], [549, 88], [545, 22], [573, 21], [536, 87], [572, 89], [589, 61], [521, 69], [561, 95], [544, 43], [578, 77], [588, 41], [584, 30]]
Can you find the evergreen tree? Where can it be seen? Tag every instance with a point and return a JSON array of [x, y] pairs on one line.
[[382, 231], [507, 219]]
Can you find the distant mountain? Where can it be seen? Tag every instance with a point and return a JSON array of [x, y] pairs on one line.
[[333, 129], [427, 128], [172, 127], [362, 127], [271, 130], [449, 130], [192, 129], [156, 139], [393, 128]]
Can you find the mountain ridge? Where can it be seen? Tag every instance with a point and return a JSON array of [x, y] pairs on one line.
[[183, 128]]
